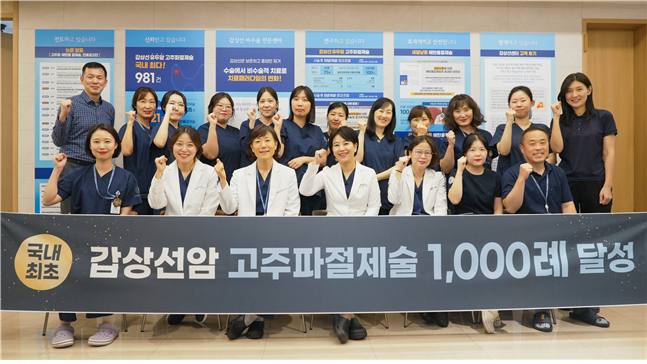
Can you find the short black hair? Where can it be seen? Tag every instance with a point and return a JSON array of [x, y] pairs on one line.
[[346, 133], [470, 139], [94, 65], [109, 129], [258, 132], [216, 98], [531, 129], [193, 134]]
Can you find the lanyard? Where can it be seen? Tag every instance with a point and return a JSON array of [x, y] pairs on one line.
[[147, 131], [539, 188], [260, 193], [110, 196]]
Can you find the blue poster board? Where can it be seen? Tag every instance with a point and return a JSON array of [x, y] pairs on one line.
[[509, 60], [59, 58], [345, 67], [166, 60], [247, 60], [430, 69]]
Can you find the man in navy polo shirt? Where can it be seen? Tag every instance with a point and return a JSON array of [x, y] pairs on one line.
[[537, 187], [77, 115]]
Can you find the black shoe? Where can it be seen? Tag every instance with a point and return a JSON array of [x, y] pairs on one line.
[[541, 321], [340, 326], [256, 330], [200, 318], [174, 319], [236, 328], [428, 317], [589, 316], [441, 319], [356, 331]]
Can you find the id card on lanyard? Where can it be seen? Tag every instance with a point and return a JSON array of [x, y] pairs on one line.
[[115, 206]]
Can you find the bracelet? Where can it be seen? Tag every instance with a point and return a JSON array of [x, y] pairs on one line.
[[398, 171]]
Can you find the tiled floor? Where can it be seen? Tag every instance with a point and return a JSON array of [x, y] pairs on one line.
[[625, 339]]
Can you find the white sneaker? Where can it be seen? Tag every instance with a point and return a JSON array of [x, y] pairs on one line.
[[490, 319]]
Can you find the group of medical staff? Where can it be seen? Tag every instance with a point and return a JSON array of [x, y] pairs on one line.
[[272, 166]]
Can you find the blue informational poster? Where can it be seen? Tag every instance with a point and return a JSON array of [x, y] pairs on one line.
[[166, 60], [430, 69], [509, 60], [247, 60], [59, 59], [345, 67]]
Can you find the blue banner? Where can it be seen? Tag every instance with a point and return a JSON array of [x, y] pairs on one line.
[[166, 60], [430, 69], [345, 67], [509, 60], [247, 60], [59, 58]]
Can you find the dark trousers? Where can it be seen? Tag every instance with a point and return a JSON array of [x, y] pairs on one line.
[[71, 317], [586, 196]]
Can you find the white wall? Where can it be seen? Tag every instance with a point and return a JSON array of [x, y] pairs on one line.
[[562, 18]]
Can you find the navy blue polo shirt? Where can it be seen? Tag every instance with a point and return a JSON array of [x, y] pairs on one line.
[[229, 151], [300, 142], [515, 156], [533, 199], [88, 198], [381, 154], [139, 162], [157, 152], [458, 146], [583, 144]]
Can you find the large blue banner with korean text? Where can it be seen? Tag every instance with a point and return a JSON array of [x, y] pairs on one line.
[[430, 69], [509, 60], [166, 60], [345, 67], [167, 264], [247, 60], [59, 58]]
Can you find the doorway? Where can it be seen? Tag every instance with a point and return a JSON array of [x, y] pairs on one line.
[[615, 59]]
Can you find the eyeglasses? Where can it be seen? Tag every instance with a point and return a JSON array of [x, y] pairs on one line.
[[223, 107], [418, 153]]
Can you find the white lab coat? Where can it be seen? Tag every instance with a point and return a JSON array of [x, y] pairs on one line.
[[364, 198], [401, 193], [240, 194], [201, 194]]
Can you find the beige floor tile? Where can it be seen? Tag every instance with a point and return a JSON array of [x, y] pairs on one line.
[[6, 314], [317, 348], [624, 354]]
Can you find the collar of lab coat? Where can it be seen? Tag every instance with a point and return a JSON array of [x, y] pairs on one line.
[[252, 170], [196, 174]]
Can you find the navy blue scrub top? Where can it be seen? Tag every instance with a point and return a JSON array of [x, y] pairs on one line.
[[80, 187], [229, 147], [244, 134], [166, 151], [437, 141], [418, 207], [533, 199], [348, 183], [184, 183], [381, 155], [300, 142], [515, 156], [262, 190], [458, 146], [330, 161], [139, 162]]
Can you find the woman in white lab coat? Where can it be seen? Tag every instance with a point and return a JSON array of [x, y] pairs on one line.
[[351, 188], [264, 188], [417, 189], [185, 187]]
